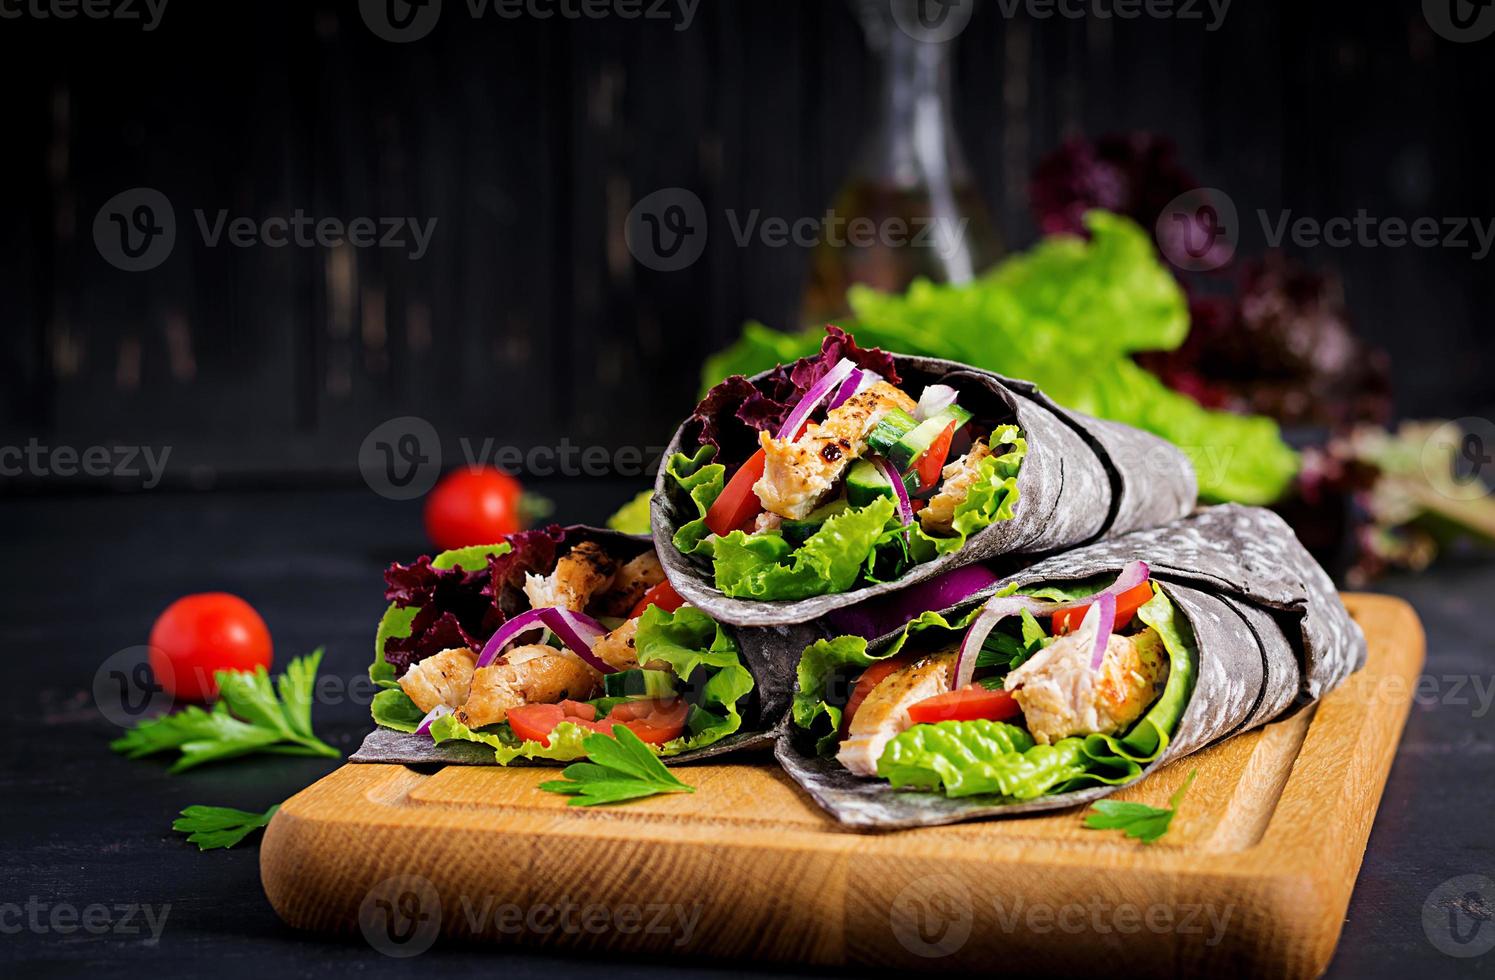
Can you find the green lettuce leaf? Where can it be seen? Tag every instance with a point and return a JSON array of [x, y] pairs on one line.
[[392, 708], [702, 481], [697, 647], [765, 566], [991, 498], [1066, 315], [979, 758], [632, 517], [565, 740]]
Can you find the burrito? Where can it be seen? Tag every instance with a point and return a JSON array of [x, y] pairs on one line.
[[856, 473], [1069, 679], [519, 650]]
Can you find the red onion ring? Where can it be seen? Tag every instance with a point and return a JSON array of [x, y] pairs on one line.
[[440, 711], [577, 631], [933, 400], [900, 492], [881, 616], [1102, 616], [814, 397]]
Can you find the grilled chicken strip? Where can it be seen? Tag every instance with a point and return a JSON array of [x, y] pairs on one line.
[[799, 473], [885, 712], [629, 585], [1061, 696], [529, 674], [618, 648], [581, 573], [440, 679], [938, 516]]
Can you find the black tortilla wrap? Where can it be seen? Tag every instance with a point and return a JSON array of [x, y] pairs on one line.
[[1082, 479], [1269, 631], [762, 651]]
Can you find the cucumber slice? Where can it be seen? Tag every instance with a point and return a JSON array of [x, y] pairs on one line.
[[798, 532], [909, 448], [889, 429], [865, 483], [639, 683]]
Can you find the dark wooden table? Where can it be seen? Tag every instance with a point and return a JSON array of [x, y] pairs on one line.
[[84, 576]]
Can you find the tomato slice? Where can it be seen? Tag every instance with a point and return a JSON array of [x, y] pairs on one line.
[[661, 595], [535, 722], [966, 704], [932, 460], [864, 685], [737, 502], [652, 721], [1127, 605]]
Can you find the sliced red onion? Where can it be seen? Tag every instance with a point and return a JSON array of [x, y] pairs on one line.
[[934, 400], [814, 397], [509, 631], [859, 381], [440, 711], [996, 610], [1102, 618], [577, 631], [881, 616], [900, 492]]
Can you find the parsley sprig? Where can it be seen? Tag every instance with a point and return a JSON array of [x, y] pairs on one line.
[[1138, 820], [247, 717], [622, 768], [220, 826]]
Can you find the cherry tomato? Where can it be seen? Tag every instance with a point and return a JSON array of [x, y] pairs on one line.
[[1127, 604], [661, 595], [870, 678], [472, 505], [199, 634], [652, 721], [965, 704], [737, 503], [535, 722]]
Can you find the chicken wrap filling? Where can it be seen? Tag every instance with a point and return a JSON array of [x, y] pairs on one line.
[[1051, 707], [466, 650], [826, 476]]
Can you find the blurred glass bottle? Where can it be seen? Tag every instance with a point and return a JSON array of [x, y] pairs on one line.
[[910, 207]]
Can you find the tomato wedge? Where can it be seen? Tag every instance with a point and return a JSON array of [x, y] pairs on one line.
[[535, 722], [932, 460], [864, 685], [661, 595], [737, 502], [1127, 605], [652, 721], [966, 704]]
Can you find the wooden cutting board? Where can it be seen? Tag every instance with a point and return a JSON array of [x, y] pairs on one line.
[[1254, 876]]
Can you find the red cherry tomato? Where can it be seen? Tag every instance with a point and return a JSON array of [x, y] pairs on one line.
[[966, 704], [535, 722], [663, 596], [472, 505], [199, 634], [1127, 605], [652, 721], [737, 503], [932, 460]]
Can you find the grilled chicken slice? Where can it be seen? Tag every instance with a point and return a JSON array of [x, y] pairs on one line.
[[938, 516], [799, 473], [534, 674], [441, 679], [618, 648], [581, 573], [629, 585], [1061, 696], [885, 712]]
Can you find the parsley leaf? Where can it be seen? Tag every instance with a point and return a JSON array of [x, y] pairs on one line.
[[220, 826], [622, 768], [248, 717], [1145, 823]]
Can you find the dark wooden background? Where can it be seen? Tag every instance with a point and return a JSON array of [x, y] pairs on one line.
[[529, 140]]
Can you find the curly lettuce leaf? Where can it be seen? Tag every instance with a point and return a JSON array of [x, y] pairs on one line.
[[632, 517], [392, 708], [979, 758], [765, 566], [991, 498], [565, 740], [701, 481], [706, 658], [1066, 315]]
